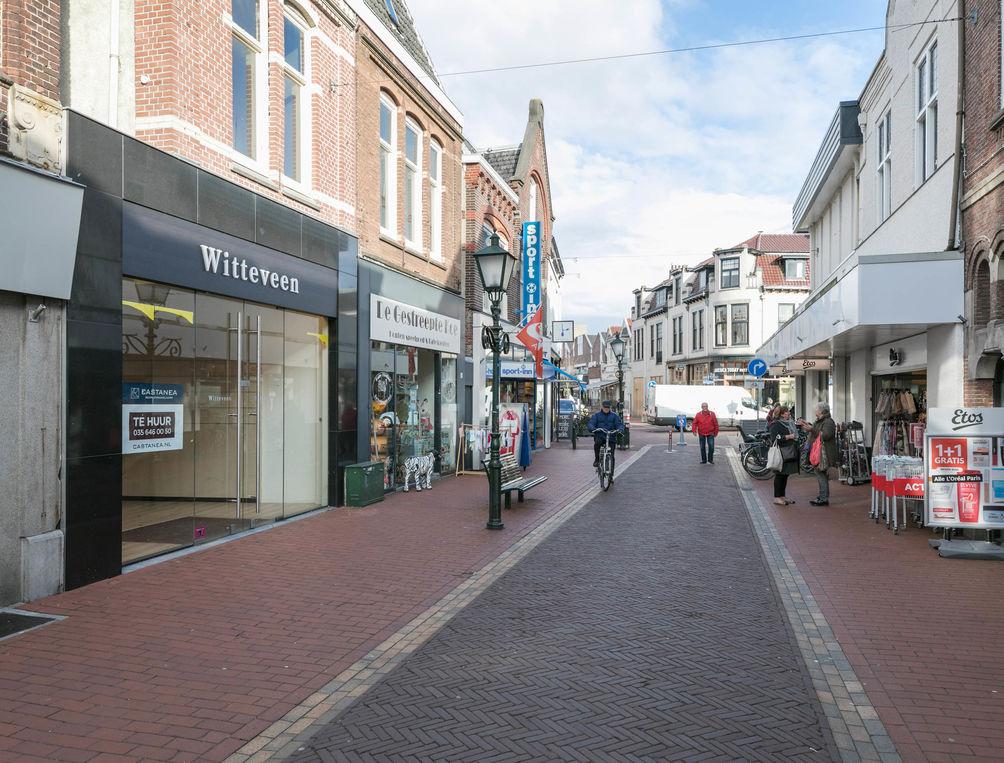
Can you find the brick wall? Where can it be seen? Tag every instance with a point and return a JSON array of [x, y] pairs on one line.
[[485, 201], [29, 51], [379, 72], [184, 99], [983, 204]]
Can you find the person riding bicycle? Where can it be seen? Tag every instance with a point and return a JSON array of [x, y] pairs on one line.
[[604, 418]]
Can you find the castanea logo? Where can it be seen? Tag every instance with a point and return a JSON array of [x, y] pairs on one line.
[[963, 419]]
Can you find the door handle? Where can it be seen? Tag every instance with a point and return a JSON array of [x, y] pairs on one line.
[[257, 418], [240, 407]]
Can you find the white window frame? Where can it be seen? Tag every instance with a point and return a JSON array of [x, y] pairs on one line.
[[796, 261], [532, 207], [388, 153], [303, 122], [721, 279], [414, 243], [883, 174], [435, 200], [734, 324], [259, 49], [926, 105]]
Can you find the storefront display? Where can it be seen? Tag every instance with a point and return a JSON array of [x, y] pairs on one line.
[[964, 457], [900, 410]]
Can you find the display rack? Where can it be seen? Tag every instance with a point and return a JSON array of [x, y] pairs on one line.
[[854, 469]]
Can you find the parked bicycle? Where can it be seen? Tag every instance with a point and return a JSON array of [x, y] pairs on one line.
[[753, 454], [605, 469]]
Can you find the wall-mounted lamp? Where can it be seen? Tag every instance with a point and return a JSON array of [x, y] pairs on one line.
[[36, 313], [962, 320]]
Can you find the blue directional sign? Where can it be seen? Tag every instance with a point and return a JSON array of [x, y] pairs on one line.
[[651, 384], [757, 367], [681, 422]]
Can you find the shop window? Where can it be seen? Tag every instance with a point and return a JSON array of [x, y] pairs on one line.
[[388, 165], [884, 172], [295, 79], [721, 325], [740, 324], [927, 114], [247, 78], [412, 186], [435, 200], [730, 273]]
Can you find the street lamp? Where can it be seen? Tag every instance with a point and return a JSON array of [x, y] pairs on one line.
[[495, 267], [617, 347]]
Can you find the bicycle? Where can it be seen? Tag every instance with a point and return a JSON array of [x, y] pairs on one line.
[[605, 470], [753, 455]]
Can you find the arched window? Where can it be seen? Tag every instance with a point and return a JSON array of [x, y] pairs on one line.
[[981, 294], [532, 210]]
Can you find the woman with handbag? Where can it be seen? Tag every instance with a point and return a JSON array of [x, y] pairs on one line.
[[822, 450], [782, 433]]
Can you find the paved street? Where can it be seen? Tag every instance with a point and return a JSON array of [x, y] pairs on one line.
[[645, 628]]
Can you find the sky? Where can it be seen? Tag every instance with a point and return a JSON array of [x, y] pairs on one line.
[[657, 160]]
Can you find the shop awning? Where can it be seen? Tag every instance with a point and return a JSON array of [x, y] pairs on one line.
[[872, 300], [556, 371]]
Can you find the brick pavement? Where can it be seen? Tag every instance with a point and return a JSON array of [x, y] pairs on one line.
[[920, 631], [646, 627], [191, 658]]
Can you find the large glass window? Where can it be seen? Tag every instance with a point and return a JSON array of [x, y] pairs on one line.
[[927, 113], [294, 105], [412, 186], [730, 273], [435, 200], [740, 324], [721, 325], [388, 165], [224, 415], [246, 53]]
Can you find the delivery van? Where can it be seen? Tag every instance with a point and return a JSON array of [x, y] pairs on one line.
[[664, 402]]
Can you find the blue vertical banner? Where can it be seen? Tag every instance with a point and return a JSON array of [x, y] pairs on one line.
[[531, 269]]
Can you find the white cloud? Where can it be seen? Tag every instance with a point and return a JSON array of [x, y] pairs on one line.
[[663, 156]]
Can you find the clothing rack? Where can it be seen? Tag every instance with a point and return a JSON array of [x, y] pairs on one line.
[[897, 401], [854, 469], [892, 438]]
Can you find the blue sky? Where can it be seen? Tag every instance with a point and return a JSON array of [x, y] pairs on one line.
[[657, 160]]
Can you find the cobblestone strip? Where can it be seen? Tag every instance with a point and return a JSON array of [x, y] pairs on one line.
[[284, 736], [854, 722]]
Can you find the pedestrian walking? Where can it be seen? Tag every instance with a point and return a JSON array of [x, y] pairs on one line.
[[783, 431], [706, 427], [824, 430]]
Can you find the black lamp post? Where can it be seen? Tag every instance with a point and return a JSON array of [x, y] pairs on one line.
[[495, 267], [617, 347]]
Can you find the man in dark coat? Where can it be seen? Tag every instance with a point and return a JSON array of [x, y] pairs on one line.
[[604, 419]]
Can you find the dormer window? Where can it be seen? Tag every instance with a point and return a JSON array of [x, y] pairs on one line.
[[389, 4], [794, 270], [730, 273]]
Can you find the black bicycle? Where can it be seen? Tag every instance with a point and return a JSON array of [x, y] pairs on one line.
[[605, 467]]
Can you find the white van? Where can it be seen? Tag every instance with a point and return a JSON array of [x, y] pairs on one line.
[[664, 402]]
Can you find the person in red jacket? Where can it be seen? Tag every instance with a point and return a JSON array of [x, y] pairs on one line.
[[706, 427]]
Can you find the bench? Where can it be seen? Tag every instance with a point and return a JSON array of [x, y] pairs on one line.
[[513, 480]]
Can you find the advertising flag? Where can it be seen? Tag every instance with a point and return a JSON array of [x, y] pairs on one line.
[[531, 336]]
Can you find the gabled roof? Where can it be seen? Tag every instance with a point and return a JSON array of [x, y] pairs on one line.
[[503, 160], [777, 243], [772, 271], [404, 30]]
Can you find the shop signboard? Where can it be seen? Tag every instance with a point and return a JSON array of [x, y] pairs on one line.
[[398, 323], [801, 365], [513, 369], [531, 268], [153, 417], [964, 463]]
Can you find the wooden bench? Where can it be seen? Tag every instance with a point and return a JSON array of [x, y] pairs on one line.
[[513, 480]]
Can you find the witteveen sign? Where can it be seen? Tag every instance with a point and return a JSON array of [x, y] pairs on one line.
[[398, 323]]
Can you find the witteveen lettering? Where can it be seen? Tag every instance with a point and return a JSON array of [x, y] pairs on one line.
[[220, 262]]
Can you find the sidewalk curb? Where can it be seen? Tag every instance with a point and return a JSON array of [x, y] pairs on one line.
[[854, 722], [288, 735]]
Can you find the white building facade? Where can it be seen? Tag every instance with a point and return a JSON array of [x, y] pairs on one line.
[[880, 207]]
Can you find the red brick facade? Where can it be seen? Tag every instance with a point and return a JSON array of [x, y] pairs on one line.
[[29, 51], [184, 100], [983, 196], [380, 73]]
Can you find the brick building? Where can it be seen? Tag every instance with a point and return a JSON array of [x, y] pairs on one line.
[[983, 202], [36, 265], [504, 188]]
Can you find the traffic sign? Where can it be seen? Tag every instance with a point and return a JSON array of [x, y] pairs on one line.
[[651, 383], [681, 421], [757, 367]]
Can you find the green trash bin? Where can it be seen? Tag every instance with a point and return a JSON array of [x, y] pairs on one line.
[[364, 483]]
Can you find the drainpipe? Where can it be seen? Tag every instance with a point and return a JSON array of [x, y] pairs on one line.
[[113, 63], [953, 225]]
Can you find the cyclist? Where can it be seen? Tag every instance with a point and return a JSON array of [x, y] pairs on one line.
[[604, 418]]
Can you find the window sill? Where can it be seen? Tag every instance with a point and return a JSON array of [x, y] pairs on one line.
[[997, 121], [414, 249], [295, 195], [389, 238], [256, 175]]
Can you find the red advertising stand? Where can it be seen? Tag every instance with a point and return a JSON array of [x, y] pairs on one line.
[[964, 465]]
